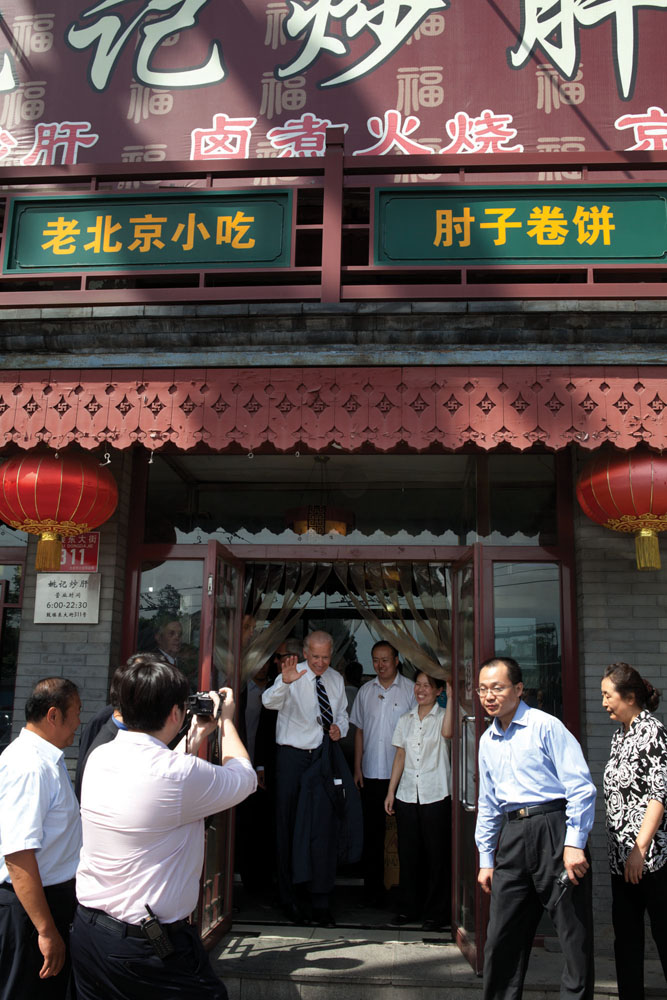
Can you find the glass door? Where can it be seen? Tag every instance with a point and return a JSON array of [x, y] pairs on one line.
[[469, 906], [221, 634]]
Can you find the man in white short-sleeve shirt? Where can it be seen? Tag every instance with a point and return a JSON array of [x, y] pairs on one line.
[[143, 808], [377, 708], [40, 839]]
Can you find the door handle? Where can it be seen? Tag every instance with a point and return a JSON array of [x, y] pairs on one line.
[[468, 798]]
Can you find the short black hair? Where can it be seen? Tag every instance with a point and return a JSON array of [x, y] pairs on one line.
[[50, 692], [513, 668], [119, 671], [147, 692], [383, 642]]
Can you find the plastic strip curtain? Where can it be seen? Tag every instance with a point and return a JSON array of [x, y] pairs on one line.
[[397, 599], [265, 584]]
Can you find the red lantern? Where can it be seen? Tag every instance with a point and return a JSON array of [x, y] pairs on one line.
[[628, 493], [55, 496]]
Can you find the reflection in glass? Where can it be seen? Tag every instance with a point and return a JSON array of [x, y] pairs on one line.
[[528, 627], [10, 623], [170, 614], [465, 869]]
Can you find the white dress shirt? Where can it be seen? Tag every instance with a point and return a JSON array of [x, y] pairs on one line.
[[38, 808], [376, 711], [425, 776], [298, 708], [143, 809]]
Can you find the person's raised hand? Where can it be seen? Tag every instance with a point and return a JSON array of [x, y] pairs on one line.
[[289, 669]]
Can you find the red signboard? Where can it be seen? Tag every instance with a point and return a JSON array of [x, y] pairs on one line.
[[140, 81], [80, 553]]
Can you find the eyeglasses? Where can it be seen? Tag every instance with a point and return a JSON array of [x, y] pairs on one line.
[[496, 689]]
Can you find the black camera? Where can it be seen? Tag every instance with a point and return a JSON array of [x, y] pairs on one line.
[[201, 703]]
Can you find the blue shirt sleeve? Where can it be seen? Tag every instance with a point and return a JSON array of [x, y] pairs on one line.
[[489, 812], [573, 773]]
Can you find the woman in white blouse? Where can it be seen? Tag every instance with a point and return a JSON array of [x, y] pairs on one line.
[[420, 797]]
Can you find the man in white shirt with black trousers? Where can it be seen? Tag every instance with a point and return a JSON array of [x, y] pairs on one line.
[[377, 708], [143, 808], [40, 839], [300, 731]]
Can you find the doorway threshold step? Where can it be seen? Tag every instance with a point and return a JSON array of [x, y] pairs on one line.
[[303, 963]]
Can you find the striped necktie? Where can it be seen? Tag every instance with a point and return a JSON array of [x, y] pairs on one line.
[[326, 715]]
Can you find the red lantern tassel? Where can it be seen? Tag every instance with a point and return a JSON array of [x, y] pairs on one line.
[[647, 549], [49, 549]]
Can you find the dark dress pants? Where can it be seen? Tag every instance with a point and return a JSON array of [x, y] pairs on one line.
[[20, 957], [373, 795], [109, 967], [630, 903], [529, 859], [424, 857], [291, 764]]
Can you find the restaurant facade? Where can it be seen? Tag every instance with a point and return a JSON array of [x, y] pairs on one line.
[[359, 391]]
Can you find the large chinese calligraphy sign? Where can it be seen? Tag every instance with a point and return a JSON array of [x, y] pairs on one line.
[[141, 81], [128, 232], [521, 225]]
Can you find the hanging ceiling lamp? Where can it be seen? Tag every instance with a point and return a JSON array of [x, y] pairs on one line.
[[320, 518], [628, 493], [55, 496]]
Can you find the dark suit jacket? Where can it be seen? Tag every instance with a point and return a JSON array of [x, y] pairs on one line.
[[88, 734], [265, 737], [105, 734], [329, 826]]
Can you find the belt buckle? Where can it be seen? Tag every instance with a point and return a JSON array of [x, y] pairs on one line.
[[522, 812]]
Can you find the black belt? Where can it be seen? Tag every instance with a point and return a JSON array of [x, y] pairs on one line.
[[558, 805], [119, 928]]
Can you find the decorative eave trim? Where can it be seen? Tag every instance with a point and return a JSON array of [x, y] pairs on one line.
[[348, 408]]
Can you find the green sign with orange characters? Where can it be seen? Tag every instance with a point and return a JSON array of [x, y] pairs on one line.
[[202, 230], [538, 224]]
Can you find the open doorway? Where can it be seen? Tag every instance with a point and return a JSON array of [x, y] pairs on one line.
[[406, 604]]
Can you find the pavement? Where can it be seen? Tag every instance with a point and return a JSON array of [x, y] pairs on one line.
[[273, 961]]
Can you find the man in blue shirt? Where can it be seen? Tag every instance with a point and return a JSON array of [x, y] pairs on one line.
[[536, 809]]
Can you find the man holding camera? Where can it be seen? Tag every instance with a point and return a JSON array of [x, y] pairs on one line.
[[143, 808]]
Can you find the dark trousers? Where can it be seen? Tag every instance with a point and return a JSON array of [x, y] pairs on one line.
[[424, 857], [291, 764], [529, 859], [20, 957], [255, 837], [110, 967], [373, 795], [630, 903]]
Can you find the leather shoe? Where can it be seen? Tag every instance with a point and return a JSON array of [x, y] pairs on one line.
[[323, 918], [292, 912]]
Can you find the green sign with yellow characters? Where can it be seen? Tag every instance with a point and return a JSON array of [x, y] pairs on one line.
[[199, 230], [512, 224]]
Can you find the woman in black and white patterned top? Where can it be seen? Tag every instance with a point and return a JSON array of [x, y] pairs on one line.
[[635, 793]]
